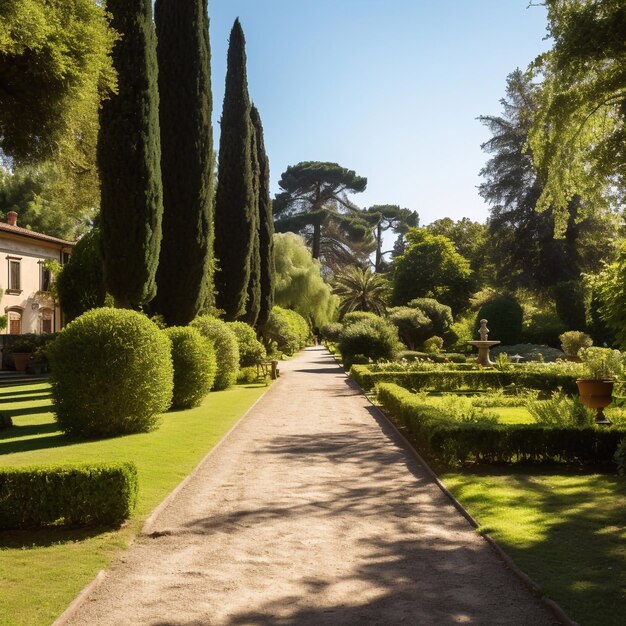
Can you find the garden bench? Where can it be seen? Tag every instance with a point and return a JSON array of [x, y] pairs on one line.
[[268, 367]]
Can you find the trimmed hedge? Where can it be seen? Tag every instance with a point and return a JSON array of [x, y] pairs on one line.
[[226, 349], [452, 443], [450, 380], [194, 362], [72, 495], [251, 350]]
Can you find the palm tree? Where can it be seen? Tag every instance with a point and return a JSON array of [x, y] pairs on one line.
[[361, 290]]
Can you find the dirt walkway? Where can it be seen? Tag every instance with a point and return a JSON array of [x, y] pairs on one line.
[[311, 513]]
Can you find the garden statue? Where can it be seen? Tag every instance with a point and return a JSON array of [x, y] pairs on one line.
[[483, 344]]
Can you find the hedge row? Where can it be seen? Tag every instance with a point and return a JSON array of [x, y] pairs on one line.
[[453, 443], [100, 494], [449, 380]]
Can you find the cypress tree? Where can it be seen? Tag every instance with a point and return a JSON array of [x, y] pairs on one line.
[[234, 197], [184, 275], [266, 223], [253, 305], [129, 160]]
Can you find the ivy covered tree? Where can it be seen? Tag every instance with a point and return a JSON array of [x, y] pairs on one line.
[[579, 131], [314, 203], [266, 224], [386, 217], [129, 157], [55, 66], [184, 276], [235, 217], [431, 268]]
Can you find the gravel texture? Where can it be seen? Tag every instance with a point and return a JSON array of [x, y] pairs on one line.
[[311, 512]]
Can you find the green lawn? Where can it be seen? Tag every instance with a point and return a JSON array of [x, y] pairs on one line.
[[566, 531], [41, 572]]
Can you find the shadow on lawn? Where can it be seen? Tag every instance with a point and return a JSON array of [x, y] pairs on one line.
[[28, 430], [418, 561], [46, 537], [41, 395]]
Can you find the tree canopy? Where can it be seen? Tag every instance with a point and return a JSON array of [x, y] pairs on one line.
[[314, 202], [55, 66], [298, 282], [579, 131], [431, 268], [522, 245], [386, 217]]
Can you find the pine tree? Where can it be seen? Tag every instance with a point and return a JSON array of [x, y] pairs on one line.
[[129, 159], [184, 277], [234, 198], [266, 224], [253, 305]]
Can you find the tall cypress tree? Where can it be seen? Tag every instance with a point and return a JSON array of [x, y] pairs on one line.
[[266, 223], [234, 198], [129, 159], [253, 305], [184, 276]]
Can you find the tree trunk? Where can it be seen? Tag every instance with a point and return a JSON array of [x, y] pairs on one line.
[[317, 238], [379, 247]]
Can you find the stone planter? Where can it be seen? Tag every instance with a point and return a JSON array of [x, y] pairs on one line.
[[596, 394]]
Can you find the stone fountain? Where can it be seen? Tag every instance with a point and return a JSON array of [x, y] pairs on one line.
[[483, 344]]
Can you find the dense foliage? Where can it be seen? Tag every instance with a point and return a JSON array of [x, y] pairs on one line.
[[193, 358], [129, 158], [286, 330], [431, 267], [373, 339], [80, 284], [112, 374], [67, 495], [226, 349], [504, 315], [414, 327], [251, 350], [184, 276], [298, 281]]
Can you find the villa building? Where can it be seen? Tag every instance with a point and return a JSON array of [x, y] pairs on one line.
[[25, 279]]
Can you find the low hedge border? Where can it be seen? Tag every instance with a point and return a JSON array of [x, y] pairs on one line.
[[450, 380], [454, 443], [67, 495]]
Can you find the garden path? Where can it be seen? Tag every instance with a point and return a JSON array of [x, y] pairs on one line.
[[311, 512]]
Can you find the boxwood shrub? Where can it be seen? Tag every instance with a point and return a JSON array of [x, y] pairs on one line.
[[441, 437], [287, 330], [112, 374], [193, 357], [371, 338], [450, 380], [251, 350], [226, 349], [72, 495]]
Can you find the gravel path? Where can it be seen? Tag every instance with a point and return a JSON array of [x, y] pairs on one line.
[[310, 513]]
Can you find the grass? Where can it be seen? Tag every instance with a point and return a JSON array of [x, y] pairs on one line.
[[42, 571], [566, 531]]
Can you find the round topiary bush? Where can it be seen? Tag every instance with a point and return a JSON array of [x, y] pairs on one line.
[[226, 349], [195, 366], [112, 374], [439, 314], [358, 316], [414, 327], [251, 350], [286, 329], [373, 339]]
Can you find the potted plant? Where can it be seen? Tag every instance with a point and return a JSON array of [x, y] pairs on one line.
[[21, 350], [602, 367], [572, 342]]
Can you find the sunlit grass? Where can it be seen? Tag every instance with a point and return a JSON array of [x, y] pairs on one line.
[[42, 571], [567, 532]]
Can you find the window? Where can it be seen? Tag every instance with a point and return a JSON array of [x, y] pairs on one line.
[[15, 322], [47, 317], [14, 275], [45, 278]]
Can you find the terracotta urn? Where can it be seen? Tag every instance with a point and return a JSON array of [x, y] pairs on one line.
[[596, 394], [20, 360]]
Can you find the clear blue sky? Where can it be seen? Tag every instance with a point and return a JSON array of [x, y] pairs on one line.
[[388, 88]]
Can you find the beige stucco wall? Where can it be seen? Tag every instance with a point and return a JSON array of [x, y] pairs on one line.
[[30, 302]]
